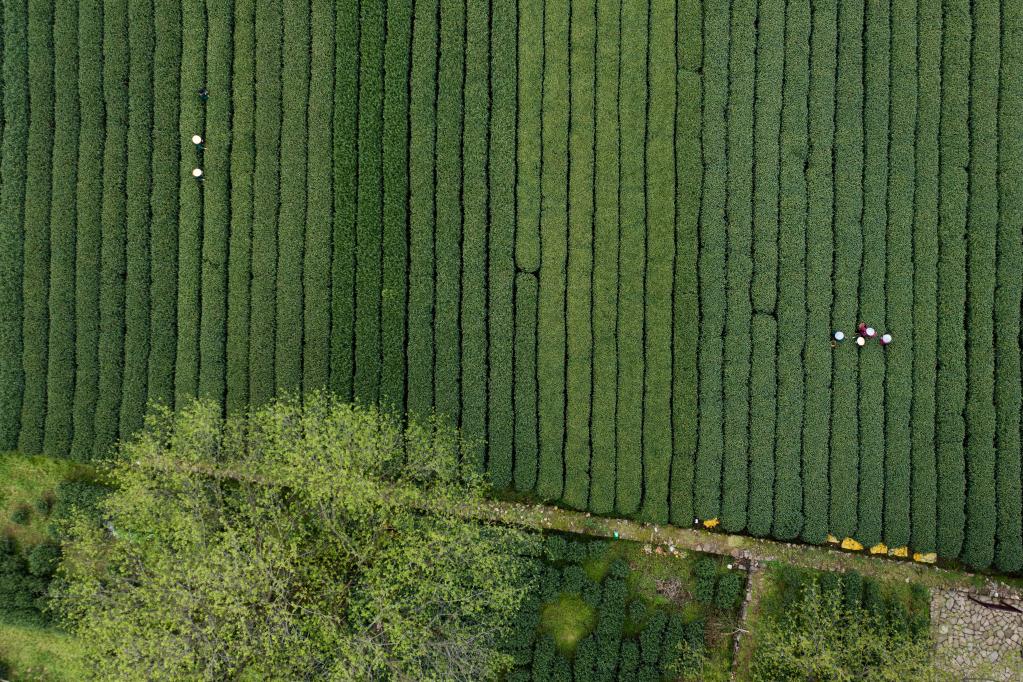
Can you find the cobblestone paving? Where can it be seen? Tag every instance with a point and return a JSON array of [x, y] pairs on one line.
[[978, 641]]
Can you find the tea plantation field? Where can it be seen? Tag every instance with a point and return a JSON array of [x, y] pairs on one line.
[[610, 239]]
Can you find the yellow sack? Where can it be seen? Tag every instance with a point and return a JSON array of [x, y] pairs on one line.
[[879, 548], [902, 552], [928, 558], [832, 539], [711, 523], [849, 543]]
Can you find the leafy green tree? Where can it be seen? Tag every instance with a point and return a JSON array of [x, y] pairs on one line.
[[818, 638], [307, 540]]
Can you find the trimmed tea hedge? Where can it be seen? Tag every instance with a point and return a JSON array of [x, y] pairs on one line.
[[610, 240]]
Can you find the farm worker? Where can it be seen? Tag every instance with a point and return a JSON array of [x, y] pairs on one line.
[[204, 95], [197, 174], [886, 339], [871, 332], [862, 329], [861, 341], [197, 141]]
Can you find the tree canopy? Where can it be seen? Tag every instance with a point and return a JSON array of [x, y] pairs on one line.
[[308, 539]]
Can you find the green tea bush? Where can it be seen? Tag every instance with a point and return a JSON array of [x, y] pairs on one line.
[[342, 268], [561, 671], [137, 246], [651, 637], [60, 374], [852, 589], [712, 249], [619, 568], [729, 590], [605, 259], [395, 205], [190, 196], [38, 187], [528, 146], [628, 661], [819, 260], [368, 226], [526, 466], [574, 579], [611, 613], [575, 552], [585, 659], [168, 146], [1009, 535], [591, 593], [705, 574], [950, 397], [266, 201], [21, 514], [554, 547], [500, 240], [632, 101], [12, 202], [579, 258], [637, 611], [217, 206], [43, 559], [543, 658]]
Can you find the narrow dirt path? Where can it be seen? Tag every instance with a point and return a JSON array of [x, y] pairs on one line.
[[741, 547]]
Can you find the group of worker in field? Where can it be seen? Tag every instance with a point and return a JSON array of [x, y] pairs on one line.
[[863, 334]]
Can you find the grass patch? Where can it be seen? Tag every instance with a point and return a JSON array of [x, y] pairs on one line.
[[567, 619], [35, 653], [24, 480]]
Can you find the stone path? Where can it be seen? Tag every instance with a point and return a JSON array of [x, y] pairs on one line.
[[976, 640], [750, 549]]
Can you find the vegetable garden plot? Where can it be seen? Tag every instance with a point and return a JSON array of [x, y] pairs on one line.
[[610, 239]]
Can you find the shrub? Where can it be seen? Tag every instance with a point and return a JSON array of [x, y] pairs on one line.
[[342, 272], [518, 675], [611, 614], [689, 165], [819, 258], [619, 568], [43, 559], [166, 162], [88, 228], [528, 144], [830, 584], [21, 594], [705, 574], [585, 659], [628, 661], [707, 486], [651, 636], [112, 250], [21, 514], [1009, 544], [579, 257], [632, 257], [561, 671], [82, 495], [192, 118], [575, 552], [694, 634], [554, 547], [852, 589], [38, 186], [294, 191], [217, 202], [605, 262], [526, 466], [550, 583], [500, 237], [591, 594], [265, 192], [637, 611], [139, 173], [595, 549], [543, 658], [674, 638], [950, 399], [762, 468], [729, 590], [395, 202], [12, 204], [575, 578], [60, 351]]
